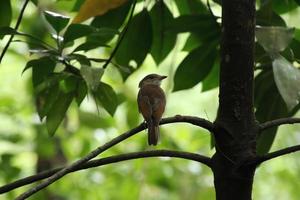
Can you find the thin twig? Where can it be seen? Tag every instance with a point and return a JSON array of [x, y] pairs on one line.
[[278, 122], [276, 154], [122, 35], [16, 28], [188, 119], [108, 160]]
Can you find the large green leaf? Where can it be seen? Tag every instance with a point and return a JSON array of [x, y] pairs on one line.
[[57, 21], [267, 17], [190, 7], [269, 106], [82, 59], [295, 47], [5, 13], [136, 43], [287, 79], [200, 37], [81, 91], [58, 111], [274, 39], [112, 19], [106, 97], [35, 2], [285, 6], [195, 67], [201, 23], [92, 76], [212, 79], [89, 45], [163, 41], [41, 69], [45, 98], [75, 31]]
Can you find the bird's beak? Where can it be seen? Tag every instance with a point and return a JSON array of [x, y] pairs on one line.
[[162, 77]]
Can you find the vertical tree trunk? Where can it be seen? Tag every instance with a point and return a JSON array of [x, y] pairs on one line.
[[236, 126]]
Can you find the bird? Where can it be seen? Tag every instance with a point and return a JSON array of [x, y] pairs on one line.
[[151, 101]]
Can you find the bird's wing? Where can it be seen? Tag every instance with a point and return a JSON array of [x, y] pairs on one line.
[[144, 105]]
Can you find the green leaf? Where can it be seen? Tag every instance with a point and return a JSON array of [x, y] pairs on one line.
[[102, 35], [282, 7], [92, 76], [41, 69], [295, 47], [195, 67], [68, 83], [190, 7], [35, 2], [287, 79], [137, 41], [274, 39], [57, 21], [163, 41], [194, 23], [58, 111], [267, 17], [82, 59], [269, 106], [89, 45], [81, 91], [297, 34], [212, 79], [200, 37], [112, 19], [45, 98], [75, 31], [106, 96], [44, 85], [5, 13]]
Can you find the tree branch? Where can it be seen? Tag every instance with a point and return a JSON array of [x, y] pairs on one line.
[[276, 154], [16, 28], [108, 160], [178, 118], [278, 122]]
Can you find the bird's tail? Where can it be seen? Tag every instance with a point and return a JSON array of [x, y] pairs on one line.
[[153, 134]]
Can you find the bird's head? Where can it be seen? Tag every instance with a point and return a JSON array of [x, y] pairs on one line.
[[152, 79]]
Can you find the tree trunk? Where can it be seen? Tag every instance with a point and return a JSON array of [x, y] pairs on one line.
[[236, 127]]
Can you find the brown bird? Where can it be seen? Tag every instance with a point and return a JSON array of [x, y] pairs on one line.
[[152, 101]]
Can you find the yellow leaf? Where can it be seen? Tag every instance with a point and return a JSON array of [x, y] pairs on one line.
[[92, 8]]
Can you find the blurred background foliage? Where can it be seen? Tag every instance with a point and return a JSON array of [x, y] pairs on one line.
[[26, 148]]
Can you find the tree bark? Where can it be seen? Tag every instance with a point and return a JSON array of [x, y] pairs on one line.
[[235, 127]]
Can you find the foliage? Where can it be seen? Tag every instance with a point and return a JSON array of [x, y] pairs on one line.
[[67, 65]]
